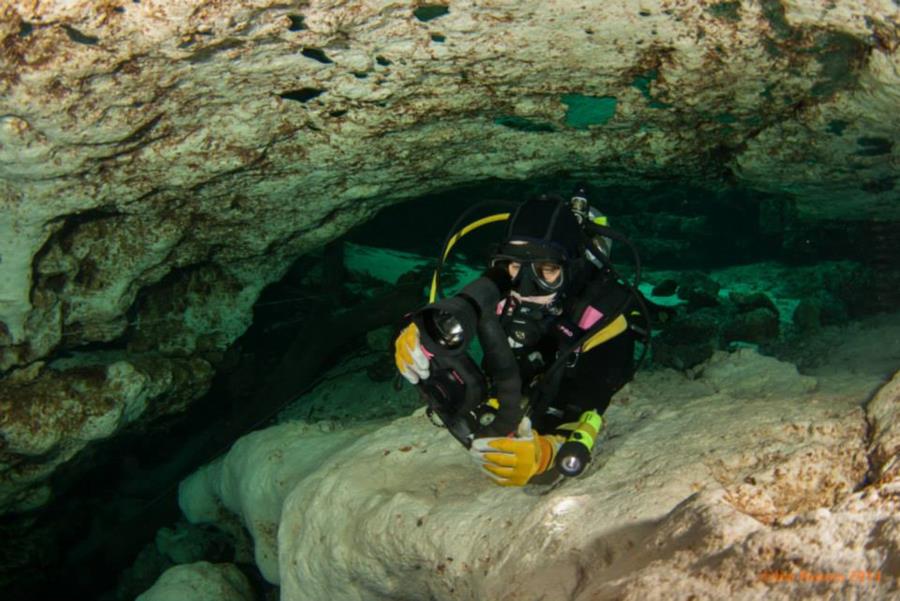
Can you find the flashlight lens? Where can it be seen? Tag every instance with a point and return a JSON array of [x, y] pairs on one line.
[[450, 330], [571, 465]]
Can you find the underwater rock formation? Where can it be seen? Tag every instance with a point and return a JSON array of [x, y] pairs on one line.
[[884, 412], [749, 479], [161, 161], [201, 581], [254, 478], [46, 417]]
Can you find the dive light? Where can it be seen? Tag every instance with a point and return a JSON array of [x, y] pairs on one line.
[[457, 389], [574, 454], [451, 323]]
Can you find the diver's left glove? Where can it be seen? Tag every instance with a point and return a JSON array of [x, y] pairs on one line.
[[514, 461]]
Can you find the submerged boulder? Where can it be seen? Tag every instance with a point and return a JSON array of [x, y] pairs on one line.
[[48, 415], [201, 581], [745, 303], [688, 340], [754, 326], [715, 486], [699, 290], [884, 418]]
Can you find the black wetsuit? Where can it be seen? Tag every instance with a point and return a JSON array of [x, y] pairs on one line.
[[586, 380]]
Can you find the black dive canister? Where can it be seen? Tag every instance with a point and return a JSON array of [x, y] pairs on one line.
[[457, 388], [574, 454]]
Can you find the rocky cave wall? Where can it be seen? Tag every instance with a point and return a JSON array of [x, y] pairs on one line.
[[162, 161]]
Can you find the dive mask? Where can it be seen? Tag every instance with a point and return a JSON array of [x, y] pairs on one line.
[[532, 278]]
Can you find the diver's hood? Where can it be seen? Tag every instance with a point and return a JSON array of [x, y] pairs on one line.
[[542, 229]]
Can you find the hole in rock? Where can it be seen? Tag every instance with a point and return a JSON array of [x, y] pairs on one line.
[[297, 23], [382, 61], [584, 111], [302, 95], [80, 38], [430, 12], [728, 11], [25, 29], [837, 127], [874, 146], [523, 124], [317, 54]]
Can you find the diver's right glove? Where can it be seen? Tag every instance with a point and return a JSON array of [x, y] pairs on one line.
[[409, 355], [513, 461]]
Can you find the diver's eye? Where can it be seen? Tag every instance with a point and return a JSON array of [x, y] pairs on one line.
[[547, 271]]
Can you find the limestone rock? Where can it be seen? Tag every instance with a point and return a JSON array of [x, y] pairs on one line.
[[254, 478], [748, 302], [426, 526], [755, 326], [746, 375], [688, 340], [47, 416], [699, 291], [180, 132], [807, 316], [201, 581], [707, 550], [688, 470], [884, 416]]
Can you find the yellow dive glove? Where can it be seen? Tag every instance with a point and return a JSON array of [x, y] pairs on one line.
[[409, 356], [514, 461]]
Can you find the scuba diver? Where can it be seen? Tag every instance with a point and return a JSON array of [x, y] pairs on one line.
[[557, 326]]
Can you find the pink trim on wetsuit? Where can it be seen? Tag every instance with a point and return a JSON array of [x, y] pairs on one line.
[[589, 318]]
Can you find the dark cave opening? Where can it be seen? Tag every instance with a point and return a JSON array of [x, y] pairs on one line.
[[722, 227]]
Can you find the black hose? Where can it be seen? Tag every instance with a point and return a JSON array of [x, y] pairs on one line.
[[612, 234]]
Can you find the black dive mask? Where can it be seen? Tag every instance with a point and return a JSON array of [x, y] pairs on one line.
[[534, 278]]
